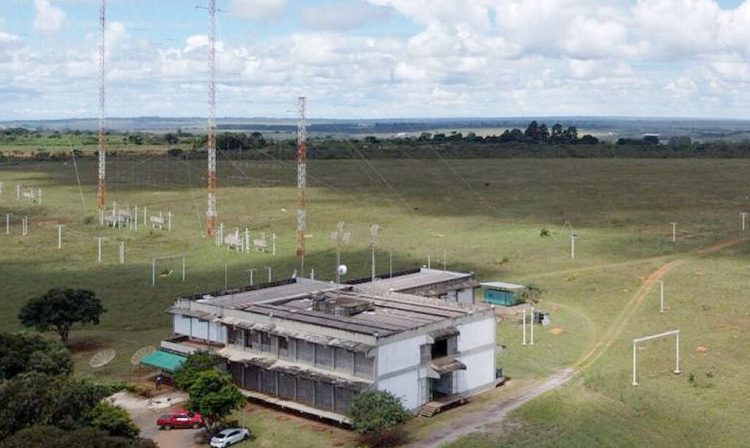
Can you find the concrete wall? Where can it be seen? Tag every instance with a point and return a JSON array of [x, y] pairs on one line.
[[465, 295], [404, 386], [199, 329], [399, 355], [476, 346]]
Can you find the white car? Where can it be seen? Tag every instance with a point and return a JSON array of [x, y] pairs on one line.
[[230, 436]]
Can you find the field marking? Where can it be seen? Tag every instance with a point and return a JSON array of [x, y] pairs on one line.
[[496, 414]]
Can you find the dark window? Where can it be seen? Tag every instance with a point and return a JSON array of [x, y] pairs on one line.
[[252, 375], [268, 382], [305, 351], [248, 339], [305, 391], [234, 335], [286, 386], [362, 366], [342, 400], [324, 396], [324, 357], [283, 347], [265, 342], [440, 348]]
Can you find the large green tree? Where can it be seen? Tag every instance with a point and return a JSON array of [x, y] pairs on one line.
[[36, 399], [214, 396], [114, 420], [52, 437], [21, 353], [60, 308], [196, 363]]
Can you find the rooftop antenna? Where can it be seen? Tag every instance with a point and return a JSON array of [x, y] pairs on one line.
[[211, 213], [301, 182], [339, 238], [101, 146], [373, 242]]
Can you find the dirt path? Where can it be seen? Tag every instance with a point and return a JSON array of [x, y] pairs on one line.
[[467, 424]]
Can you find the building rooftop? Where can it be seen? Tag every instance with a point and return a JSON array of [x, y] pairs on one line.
[[501, 285], [342, 307], [414, 279]]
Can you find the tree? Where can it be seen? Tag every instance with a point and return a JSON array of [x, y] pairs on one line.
[[51, 437], [35, 399], [196, 363], [21, 353], [214, 396], [375, 411], [114, 420], [59, 309]]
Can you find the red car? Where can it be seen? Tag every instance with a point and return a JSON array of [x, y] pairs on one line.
[[180, 419]]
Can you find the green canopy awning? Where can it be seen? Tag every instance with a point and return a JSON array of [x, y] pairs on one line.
[[163, 360]]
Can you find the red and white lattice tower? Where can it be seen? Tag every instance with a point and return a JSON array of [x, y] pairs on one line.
[[101, 143], [211, 213], [301, 182]]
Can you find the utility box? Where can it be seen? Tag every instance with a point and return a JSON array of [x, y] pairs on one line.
[[501, 293], [542, 318]]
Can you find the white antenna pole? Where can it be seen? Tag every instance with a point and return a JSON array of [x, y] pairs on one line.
[[122, 253], [674, 232], [373, 242], [59, 236], [677, 353], [99, 253], [312, 274], [153, 271], [532, 325], [744, 218], [169, 221], [7, 223], [225, 275], [135, 221], [635, 347], [661, 296], [524, 327], [270, 276], [429, 262], [273, 244]]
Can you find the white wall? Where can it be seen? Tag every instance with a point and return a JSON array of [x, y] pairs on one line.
[[181, 325], [399, 355], [404, 386], [480, 370], [476, 334], [199, 328], [465, 295]]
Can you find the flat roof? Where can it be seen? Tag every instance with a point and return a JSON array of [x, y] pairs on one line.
[[279, 291], [325, 304], [422, 278], [501, 285], [163, 360]]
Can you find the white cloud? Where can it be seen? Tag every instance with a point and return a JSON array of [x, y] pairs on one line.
[[342, 15], [258, 9], [48, 18]]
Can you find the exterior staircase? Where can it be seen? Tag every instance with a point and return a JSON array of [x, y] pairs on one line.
[[432, 408]]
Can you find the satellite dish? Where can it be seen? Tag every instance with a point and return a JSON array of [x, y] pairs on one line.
[[141, 353], [102, 358], [342, 269]]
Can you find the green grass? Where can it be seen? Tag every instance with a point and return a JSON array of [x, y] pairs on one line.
[[487, 216]]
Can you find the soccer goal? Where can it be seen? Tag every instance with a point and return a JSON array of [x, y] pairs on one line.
[[675, 333], [168, 266]]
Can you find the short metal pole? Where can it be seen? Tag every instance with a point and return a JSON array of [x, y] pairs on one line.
[[153, 272], [312, 274], [270, 276], [59, 236], [99, 252], [531, 322], [744, 218], [677, 349], [247, 242], [635, 383], [135, 221], [169, 221], [661, 296], [145, 216], [122, 253], [7, 223], [273, 244], [429, 262], [183, 268], [225, 275], [524, 327], [674, 232]]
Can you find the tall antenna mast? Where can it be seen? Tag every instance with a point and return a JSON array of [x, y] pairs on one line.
[[101, 144], [211, 212], [373, 242], [301, 182]]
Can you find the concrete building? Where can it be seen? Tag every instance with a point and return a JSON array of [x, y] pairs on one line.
[[444, 285], [311, 346]]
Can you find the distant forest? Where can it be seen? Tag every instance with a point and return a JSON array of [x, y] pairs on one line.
[[537, 141]]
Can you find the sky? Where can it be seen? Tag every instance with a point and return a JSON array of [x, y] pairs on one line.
[[361, 59]]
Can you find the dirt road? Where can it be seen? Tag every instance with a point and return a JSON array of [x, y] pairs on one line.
[[466, 423]]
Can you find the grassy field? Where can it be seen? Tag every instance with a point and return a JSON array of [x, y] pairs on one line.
[[485, 216]]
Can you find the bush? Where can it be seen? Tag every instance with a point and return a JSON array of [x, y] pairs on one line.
[[376, 412], [114, 420]]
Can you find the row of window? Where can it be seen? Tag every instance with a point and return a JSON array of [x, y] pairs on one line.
[[289, 387], [324, 357]]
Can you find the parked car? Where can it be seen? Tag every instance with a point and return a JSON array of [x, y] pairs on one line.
[[180, 419], [229, 436]]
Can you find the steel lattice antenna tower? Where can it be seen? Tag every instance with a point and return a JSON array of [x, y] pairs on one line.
[[211, 213], [101, 144], [301, 182]]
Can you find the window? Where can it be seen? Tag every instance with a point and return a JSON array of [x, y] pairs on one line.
[[362, 365], [234, 335], [440, 348], [265, 342], [248, 339], [283, 347], [323, 357]]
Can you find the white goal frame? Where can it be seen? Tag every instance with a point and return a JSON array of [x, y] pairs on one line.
[[675, 333], [168, 257]]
